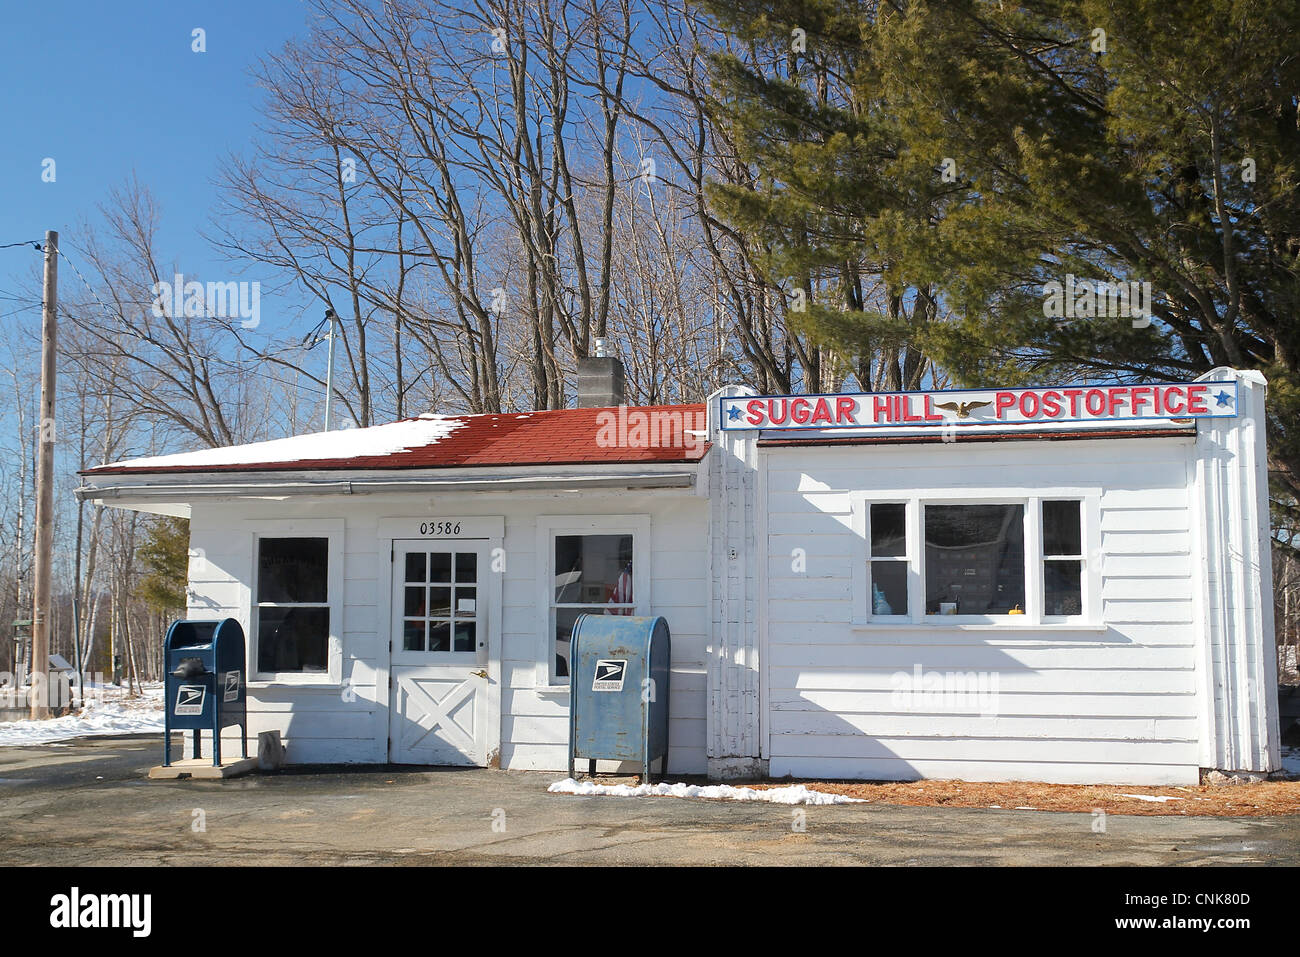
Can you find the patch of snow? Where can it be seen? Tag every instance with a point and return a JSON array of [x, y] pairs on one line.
[[792, 794], [107, 711], [1157, 798], [340, 444], [1291, 760]]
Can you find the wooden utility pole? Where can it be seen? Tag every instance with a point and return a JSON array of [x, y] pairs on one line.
[[41, 611]]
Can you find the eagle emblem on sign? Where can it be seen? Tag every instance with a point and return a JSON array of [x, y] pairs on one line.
[[963, 409]]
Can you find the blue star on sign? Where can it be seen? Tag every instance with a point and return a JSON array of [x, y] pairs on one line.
[[733, 414], [1223, 398]]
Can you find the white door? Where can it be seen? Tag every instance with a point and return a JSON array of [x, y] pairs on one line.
[[439, 713]]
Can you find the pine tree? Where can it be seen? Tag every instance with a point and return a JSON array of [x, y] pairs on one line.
[[164, 554], [1011, 145]]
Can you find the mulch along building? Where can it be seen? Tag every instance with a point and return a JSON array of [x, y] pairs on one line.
[[1063, 584]]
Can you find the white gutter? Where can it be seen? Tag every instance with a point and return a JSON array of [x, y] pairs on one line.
[[178, 491]]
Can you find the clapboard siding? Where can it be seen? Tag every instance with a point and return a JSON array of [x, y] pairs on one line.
[[1117, 702], [350, 724], [1108, 770]]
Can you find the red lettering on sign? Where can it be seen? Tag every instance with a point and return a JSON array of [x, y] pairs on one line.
[[1073, 396], [772, 406], [1171, 393], [755, 409], [881, 408], [1196, 399], [1115, 397], [1094, 408], [1004, 401], [844, 409], [1029, 405], [1052, 404], [821, 412], [1140, 397], [929, 414], [799, 411]]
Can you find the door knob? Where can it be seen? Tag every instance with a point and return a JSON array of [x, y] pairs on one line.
[[480, 673]]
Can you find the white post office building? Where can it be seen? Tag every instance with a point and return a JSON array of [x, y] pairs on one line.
[[1066, 584]]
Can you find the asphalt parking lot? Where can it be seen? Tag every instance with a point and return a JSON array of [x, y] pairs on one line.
[[88, 802]]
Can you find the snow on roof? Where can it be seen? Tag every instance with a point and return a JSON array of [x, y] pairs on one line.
[[626, 435], [420, 432]]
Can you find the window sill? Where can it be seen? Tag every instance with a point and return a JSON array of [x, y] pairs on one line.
[[293, 681], [552, 689], [977, 626]]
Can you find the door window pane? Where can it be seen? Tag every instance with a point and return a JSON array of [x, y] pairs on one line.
[[466, 631], [466, 567], [291, 570], [439, 636], [439, 602], [415, 567], [974, 559], [413, 635], [440, 567], [466, 602]]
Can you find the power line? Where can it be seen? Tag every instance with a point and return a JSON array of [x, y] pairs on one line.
[[34, 243]]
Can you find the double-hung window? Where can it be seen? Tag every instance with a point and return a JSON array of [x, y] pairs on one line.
[[296, 599], [1007, 560], [887, 532], [594, 566], [1062, 557]]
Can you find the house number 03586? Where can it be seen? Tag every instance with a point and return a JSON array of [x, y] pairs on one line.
[[440, 528]]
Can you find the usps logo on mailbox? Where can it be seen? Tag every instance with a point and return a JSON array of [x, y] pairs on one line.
[[189, 699], [232, 686], [610, 673]]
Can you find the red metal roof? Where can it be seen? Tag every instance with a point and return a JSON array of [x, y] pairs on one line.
[[630, 435]]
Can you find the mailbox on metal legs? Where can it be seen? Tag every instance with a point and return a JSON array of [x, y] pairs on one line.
[[618, 680], [205, 683]]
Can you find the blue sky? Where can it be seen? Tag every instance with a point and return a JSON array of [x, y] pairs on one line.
[[111, 88]]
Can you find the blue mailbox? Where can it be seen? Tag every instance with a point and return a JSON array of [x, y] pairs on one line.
[[205, 683], [618, 681]]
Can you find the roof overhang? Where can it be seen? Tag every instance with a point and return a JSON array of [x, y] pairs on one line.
[[169, 493]]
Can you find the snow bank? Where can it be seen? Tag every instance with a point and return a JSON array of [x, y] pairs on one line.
[[792, 794], [109, 711], [1157, 798], [340, 444]]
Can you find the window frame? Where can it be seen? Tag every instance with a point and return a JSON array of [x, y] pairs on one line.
[[549, 527], [1032, 500], [333, 531], [1081, 558], [906, 560]]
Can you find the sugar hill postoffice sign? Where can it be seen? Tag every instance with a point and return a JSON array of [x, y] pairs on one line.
[[1066, 404]]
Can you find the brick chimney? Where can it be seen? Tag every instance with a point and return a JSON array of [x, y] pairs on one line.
[[600, 380]]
